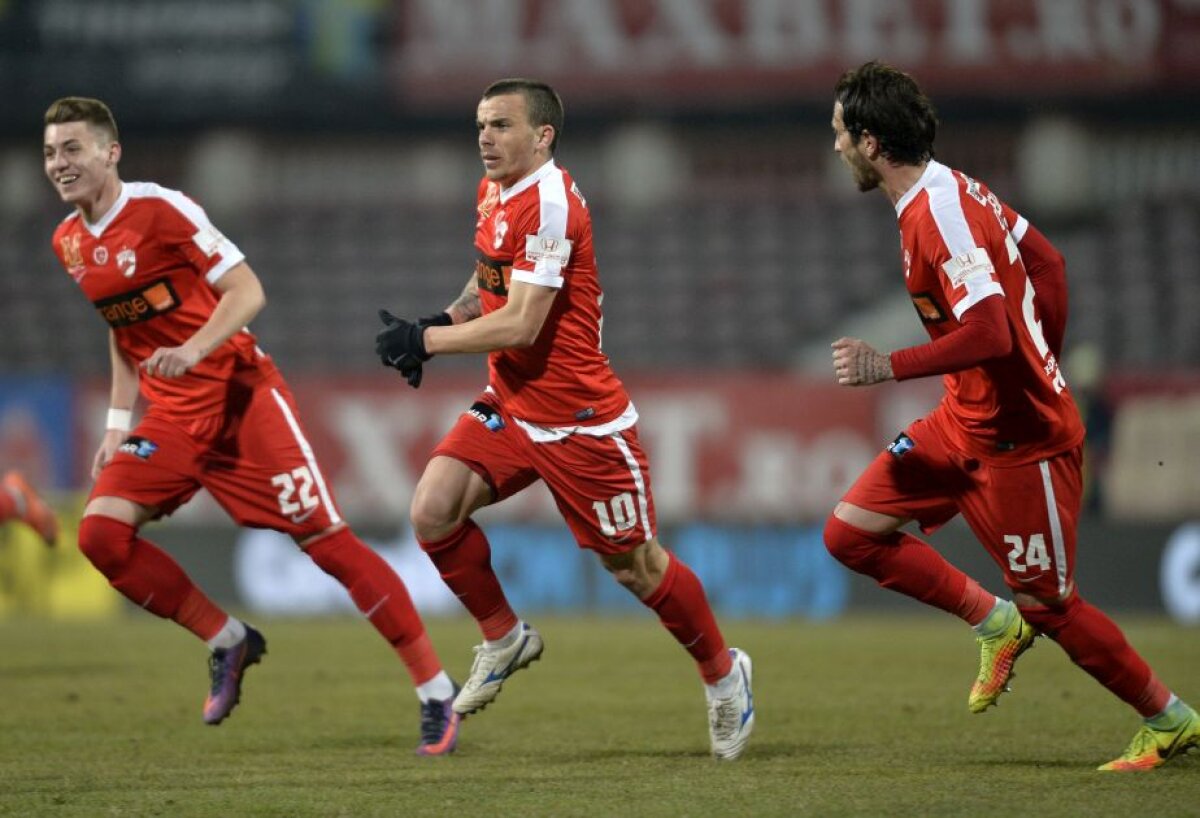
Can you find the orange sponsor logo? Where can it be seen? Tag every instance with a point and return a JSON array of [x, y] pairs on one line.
[[138, 305], [928, 309], [160, 296]]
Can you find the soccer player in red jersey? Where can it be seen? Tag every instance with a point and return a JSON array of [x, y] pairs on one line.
[[177, 296], [1003, 446], [553, 410], [19, 501]]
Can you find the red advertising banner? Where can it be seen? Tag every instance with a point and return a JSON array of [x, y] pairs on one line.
[[605, 51], [748, 448], [751, 447]]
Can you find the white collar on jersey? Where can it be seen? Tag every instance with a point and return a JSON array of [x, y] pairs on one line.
[[528, 182], [931, 169], [101, 224]]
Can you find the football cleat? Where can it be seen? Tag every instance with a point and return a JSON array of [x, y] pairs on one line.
[[1152, 748], [226, 667], [997, 655], [731, 718], [35, 513], [439, 727], [492, 666]]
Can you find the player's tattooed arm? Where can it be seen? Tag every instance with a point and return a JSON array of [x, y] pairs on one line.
[[466, 307], [857, 363]]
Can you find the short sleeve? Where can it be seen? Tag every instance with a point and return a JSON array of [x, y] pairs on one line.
[[186, 226]]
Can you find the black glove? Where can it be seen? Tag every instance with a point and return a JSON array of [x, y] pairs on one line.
[[401, 345], [441, 319]]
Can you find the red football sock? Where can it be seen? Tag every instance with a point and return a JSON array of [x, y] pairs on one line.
[[464, 559], [683, 608], [1096, 644], [975, 604], [382, 597], [904, 563], [147, 575]]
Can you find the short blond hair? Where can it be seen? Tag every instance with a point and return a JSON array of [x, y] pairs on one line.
[[82, 109]]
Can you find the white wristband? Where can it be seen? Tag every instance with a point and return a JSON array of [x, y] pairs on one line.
[[119, 419]]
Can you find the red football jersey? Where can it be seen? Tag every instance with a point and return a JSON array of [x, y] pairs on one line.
[[539, 231], [958, 247], [147, 266]]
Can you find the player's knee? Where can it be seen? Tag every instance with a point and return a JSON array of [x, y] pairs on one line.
[[434, 515], [632, 573], [1050, 616], [106, 542], [642, 570], [847, 544], [627, 578]]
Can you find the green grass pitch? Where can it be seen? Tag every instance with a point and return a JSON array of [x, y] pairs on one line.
[[860, 716]]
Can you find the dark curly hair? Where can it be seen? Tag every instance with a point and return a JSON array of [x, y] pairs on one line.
[[888, 104]]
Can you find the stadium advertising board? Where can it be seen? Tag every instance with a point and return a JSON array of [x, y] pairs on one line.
[[745, 470], [165, 63], [751, 50]]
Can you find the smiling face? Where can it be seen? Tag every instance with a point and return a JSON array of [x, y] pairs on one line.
[[510, 146], [865, 174], [80, 161]]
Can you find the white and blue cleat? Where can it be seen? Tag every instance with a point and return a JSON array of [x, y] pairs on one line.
[[731, 718], [492, 666]]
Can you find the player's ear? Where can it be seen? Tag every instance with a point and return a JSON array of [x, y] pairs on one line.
[[114, 153], [870, 145], [545, 137]]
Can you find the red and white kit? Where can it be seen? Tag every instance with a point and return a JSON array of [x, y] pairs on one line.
[[575, 423], [1002, 447], [229, 424]]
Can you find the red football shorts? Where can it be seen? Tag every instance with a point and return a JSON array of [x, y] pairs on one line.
[[254, 459], [1025, 515], [601, 484]]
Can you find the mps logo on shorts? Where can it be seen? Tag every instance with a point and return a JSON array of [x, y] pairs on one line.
[[135, 306], [902, 445], [138, 447], [487, 415]]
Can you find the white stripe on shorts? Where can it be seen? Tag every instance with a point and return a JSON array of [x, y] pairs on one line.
[[1056, 537], [309, 457], [638, 481]]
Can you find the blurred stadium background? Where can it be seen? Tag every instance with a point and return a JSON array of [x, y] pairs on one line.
[[334, 142]]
